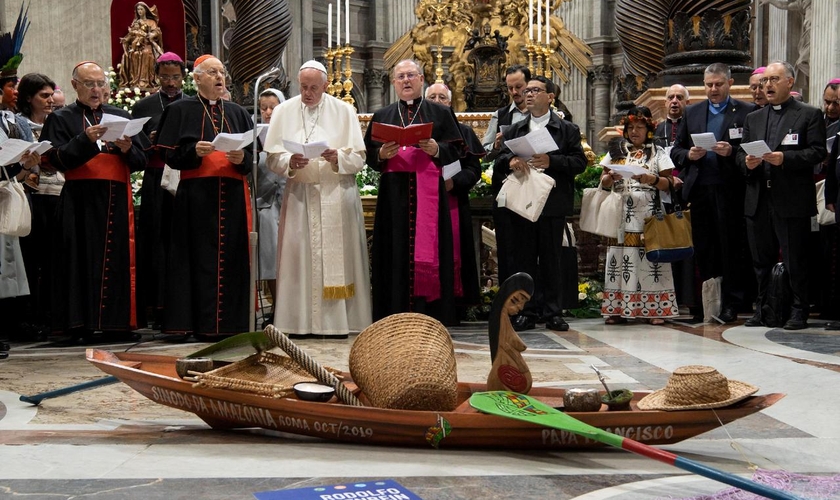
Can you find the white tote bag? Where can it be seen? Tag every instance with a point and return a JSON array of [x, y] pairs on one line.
[[15, 215], [824, 217], [609, 215], [590, 206], [526, 194]]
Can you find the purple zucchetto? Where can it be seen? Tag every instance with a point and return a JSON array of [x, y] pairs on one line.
[[834, 81], [170, 57], [759, 70]]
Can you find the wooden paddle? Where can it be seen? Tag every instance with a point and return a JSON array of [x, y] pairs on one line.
[[521, 407], [237, 346]]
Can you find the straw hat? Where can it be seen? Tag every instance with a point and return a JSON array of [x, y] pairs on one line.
[[697, 387]]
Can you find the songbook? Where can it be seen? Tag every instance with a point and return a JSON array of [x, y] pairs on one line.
[[705, 140], [12, 150], [450, 170], [628, 170], [756, 148], [408, 136], [309, 151], [534, 143], [262, 132], [119, 127], [232, 142]]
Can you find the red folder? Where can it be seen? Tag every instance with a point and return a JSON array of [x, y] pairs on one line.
[[408, 136]]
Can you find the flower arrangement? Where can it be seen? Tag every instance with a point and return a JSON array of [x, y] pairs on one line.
[[136, 179], [368, 181], [482, 186], [590, 295], [482, 311]]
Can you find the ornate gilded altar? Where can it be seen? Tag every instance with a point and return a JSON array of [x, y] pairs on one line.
[[451, 24]]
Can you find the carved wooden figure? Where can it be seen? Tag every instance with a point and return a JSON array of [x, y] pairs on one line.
[[509, 370]]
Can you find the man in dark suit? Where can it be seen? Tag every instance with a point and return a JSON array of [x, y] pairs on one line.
[[538, 244], [832, 199], [780, 195], [516, 79], [714, 186]]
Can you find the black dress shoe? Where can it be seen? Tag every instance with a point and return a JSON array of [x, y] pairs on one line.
[[728, 315], [755, 320], [798, 320], [522, 323], [832, 325], [557, 323]]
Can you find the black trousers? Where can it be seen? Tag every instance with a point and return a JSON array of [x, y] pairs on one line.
[[505, 241], [717, 225], [768, 232], [537, 252]]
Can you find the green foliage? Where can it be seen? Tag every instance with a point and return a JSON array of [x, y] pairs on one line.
[[136, 183], [482, 187], [368, 181], [590, 295], [589, 178], [482, 311]]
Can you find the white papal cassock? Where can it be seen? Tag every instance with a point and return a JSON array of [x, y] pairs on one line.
[[323, 282]]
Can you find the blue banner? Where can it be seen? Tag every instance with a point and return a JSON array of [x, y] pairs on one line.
[[366, 490]]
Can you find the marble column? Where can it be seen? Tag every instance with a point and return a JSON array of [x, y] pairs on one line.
[[374, 84], [600, 78], [777, 42], [825, 47]]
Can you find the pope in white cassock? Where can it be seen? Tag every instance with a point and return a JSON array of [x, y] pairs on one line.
[[323, 284]]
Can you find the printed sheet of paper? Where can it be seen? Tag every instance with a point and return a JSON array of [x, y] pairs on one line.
[[232, 142], [262, 132], [534, 143], [705, 140], [450, 170], [309, 151], [119, 127], [12, 150], [756, 148], [628, 171]]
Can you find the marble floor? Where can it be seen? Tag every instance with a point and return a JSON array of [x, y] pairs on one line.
[[110, 443]]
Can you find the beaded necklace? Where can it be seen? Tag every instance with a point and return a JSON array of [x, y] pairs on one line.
[[221, 126]]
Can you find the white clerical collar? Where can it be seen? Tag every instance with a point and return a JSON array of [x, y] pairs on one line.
[[540, 121]]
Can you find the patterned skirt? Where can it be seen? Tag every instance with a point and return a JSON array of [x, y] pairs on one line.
[[634, 287]]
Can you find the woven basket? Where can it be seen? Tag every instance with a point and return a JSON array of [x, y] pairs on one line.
[[406, 361], [266, 374]]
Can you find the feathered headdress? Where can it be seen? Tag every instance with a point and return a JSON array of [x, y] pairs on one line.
[[10, 44]]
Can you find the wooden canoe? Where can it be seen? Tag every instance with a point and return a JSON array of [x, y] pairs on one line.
[[154, 376]]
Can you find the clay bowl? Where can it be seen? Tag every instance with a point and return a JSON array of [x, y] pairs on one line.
[[308, 391], [184, 365], [617, 400]]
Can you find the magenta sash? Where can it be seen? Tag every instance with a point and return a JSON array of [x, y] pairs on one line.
[[456, 242], [426, 230]]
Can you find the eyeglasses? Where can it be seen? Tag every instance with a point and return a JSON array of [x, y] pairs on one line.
[[406, 76], [90, 85], [675, 96], [171, 78], [773, 79], [54, 107], [755, 86], [214, 73], [533, 90], [831, 103]]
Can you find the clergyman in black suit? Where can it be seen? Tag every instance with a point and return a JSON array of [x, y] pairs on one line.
[[714, 186], [538, 244], [780, 196]]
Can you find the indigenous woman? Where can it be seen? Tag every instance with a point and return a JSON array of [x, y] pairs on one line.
[[633, 286]]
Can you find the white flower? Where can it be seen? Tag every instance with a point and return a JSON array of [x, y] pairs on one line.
[[136, 90], [581, 296], [599, 295]]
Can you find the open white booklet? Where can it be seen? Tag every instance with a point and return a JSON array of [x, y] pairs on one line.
[[12, 150], [309, 150], [534, 143], [225, 142], [119, 127]]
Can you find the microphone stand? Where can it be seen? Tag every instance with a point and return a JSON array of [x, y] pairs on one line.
[[253, 235]]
